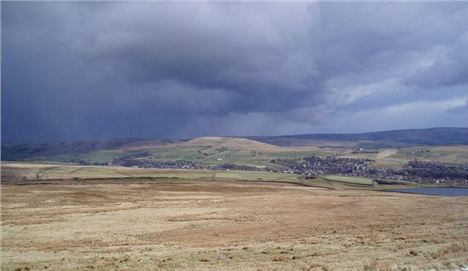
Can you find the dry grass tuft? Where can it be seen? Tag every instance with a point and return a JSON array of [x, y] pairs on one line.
[[317, 267], [377, 265], [452, 249]]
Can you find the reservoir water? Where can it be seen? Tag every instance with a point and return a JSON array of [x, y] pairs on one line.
[[437, 191]]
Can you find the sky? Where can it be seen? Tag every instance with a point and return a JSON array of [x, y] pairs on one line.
[[89, 70]]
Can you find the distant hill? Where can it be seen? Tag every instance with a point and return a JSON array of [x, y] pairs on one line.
[[395, 138], [25, 151], [233, 143], [216, 145]]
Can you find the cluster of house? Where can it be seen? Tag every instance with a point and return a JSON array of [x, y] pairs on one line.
[[316, 165], [130, 161], [437, 172], [136, 161], [414, 171]]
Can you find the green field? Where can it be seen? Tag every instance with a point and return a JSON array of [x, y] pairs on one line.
[[445, 154], [349, 180], [34, 171]]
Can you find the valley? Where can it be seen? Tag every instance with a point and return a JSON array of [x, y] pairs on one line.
[[440, 156]]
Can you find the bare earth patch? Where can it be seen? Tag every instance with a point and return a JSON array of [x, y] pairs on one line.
[[227, 225]]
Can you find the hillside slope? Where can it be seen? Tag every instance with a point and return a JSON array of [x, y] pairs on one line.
[[233, 143]]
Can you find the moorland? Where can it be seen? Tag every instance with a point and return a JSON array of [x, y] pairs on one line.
[[234, 204]]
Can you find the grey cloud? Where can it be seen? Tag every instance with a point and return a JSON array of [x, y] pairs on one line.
[[157, 69], [460, 109], [447, 66], [262, 54]]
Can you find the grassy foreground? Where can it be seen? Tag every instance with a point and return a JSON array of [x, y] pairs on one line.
[[217, 224]]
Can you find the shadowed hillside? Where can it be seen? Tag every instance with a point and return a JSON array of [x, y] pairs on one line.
[[25, 151], [384, 139]]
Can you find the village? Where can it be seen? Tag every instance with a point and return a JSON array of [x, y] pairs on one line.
[[311, 167], [424, 172]]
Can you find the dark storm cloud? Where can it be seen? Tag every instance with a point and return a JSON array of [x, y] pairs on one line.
[[148, 69], [257, 54]]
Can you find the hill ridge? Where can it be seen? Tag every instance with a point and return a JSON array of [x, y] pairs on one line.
[[437, 136]]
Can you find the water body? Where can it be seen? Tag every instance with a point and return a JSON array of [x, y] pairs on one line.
[[437, 191]]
